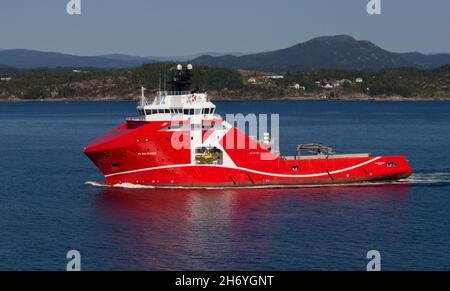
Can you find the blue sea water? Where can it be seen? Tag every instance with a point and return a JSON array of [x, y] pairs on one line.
[[47, 209]]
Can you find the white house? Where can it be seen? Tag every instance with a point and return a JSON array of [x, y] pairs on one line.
[[342, 82], [252, 80], [359, 80], [276, 77], [297, 86]]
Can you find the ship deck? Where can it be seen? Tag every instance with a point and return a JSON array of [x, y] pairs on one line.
[[316, 157]]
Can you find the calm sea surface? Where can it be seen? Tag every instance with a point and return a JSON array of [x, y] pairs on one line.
[[47, 209]]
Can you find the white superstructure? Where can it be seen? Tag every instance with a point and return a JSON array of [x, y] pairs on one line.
[[176, 104]]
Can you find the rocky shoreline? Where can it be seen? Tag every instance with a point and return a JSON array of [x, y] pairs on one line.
[[358, 97]]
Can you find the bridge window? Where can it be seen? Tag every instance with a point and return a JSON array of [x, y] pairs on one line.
[[176, 111], [191, 111]]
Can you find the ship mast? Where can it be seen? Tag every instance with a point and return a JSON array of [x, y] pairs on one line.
[[143, 100], [182, 80]]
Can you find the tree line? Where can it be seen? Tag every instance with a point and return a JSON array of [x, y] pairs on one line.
[[91, 83]]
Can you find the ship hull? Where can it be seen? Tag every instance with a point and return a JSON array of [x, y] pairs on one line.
[[125, 155], [215, 176]]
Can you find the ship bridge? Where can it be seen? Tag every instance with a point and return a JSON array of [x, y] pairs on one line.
[[180, 103]]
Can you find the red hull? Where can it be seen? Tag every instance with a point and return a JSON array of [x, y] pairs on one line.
[[142, 153]]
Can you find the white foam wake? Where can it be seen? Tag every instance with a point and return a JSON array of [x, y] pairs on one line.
[[427, 178], [415, 179], [138, 186], [121, 185], [95, 184]]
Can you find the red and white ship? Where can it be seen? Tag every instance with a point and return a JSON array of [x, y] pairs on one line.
[[178, 140]]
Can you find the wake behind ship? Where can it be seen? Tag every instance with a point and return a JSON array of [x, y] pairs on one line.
[[178, 140]]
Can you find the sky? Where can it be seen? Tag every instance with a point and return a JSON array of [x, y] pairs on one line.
[[186, 27]]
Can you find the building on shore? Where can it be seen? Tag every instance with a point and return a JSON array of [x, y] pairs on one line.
[[297, 86]]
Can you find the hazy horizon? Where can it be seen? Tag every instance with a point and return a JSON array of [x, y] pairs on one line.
[[181, 28]]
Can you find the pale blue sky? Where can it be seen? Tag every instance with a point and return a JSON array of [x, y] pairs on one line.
[[184, 27]]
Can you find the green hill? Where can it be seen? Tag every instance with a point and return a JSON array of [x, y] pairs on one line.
[[220, 83]]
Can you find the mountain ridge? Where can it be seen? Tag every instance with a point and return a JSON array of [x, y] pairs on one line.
[[30, 59], [337, 52], [324, 52]]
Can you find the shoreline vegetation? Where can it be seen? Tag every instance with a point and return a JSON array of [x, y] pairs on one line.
[[68, 84], [285, 98]]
